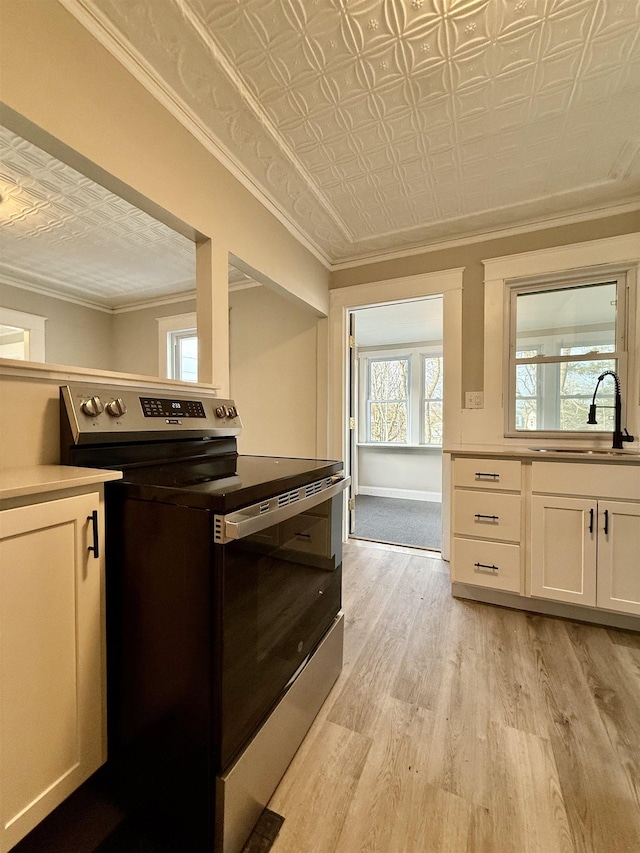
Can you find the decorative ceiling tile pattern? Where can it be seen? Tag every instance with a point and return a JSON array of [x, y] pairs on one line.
[[65, 233], [382, 125]]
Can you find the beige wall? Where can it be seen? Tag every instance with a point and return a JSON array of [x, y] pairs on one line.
[[135, 336], [470, 256], [73, 334], [274, 362]]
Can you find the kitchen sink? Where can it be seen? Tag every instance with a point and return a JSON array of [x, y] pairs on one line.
[[589, 451]]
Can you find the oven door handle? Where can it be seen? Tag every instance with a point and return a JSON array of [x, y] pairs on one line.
[[253, 519]]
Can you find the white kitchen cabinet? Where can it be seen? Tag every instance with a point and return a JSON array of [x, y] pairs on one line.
[[618, 582], [563, 549], [52, 684], [585, 547], [487, 523]]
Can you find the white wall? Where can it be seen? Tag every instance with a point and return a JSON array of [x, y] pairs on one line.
[[414, 473]]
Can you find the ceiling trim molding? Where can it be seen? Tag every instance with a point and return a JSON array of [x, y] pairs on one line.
[[99, 27], [486, 236], [13, 280]]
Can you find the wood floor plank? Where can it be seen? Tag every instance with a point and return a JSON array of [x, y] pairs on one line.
[[317, 791], [598, 798], [358, 706], [515, 733]]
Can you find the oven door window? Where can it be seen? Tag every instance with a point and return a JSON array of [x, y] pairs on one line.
[[281, 591]]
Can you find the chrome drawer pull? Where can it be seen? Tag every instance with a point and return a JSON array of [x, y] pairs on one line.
[[485, 566], [481, 474], [479, 515]]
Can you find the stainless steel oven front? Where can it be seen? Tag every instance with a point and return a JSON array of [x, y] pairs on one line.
[[223, 603]]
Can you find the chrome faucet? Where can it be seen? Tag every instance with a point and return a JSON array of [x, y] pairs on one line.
[[618, 436]]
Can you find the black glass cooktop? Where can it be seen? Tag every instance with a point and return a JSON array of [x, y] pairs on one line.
[[223, 484]]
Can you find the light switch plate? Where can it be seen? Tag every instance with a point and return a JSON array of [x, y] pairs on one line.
[[474, 399]]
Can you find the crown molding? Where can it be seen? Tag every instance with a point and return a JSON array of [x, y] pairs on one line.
[[99, 27], [486, 236]]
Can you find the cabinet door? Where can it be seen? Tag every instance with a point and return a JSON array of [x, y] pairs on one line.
[[51, 659], [563, 549], [619, 556]]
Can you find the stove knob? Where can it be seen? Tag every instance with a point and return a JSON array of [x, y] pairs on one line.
[[92, 407], [231, 412], [116, 408], [221, 412]]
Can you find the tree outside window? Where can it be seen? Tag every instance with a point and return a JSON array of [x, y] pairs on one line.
[[387, 400], [432, 399]]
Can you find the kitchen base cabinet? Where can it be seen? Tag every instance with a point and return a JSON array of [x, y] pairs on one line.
[[52, 719], [487, 523], [585, 548], [563, 549], [619, 557]]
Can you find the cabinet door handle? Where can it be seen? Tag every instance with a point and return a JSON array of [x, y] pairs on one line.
[[303, 535], [486, 566], [591, 520], [481, 474], [479, 515], [606, 522], [93, 518]]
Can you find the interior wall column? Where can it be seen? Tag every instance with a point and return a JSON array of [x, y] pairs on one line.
[[212, 290]]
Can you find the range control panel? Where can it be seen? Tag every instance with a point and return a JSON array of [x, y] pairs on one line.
[[116, 413]]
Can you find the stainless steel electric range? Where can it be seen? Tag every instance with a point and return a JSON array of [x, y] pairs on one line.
[[224, 622]]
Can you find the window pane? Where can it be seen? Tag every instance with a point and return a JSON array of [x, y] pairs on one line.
[[566, 317], [433, 422], [566, 391], [188, 358], [388, 379], [432, 400], [388, 422]]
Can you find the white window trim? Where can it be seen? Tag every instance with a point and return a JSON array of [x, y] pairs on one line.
[[623, 250], [415, 396], [31, 323], [167, 325], [559, 281]]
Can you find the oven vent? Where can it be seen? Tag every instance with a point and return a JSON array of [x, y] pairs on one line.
[[289, 498], [314, 488], [218, 532]]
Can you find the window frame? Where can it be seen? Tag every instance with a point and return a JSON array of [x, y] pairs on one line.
[[424, 400], [416, 356], [555, 282], [369, 400], [168, 329]]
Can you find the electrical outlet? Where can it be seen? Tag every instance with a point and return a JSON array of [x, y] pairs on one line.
[[474, 399]]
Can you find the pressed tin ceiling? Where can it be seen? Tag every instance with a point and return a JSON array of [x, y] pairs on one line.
[[381, 126]]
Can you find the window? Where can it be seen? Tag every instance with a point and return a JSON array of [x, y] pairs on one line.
[[432, 421], [563, 335], [178, 347], [21, 335], [402, 401], [184, 355], [387, 404]]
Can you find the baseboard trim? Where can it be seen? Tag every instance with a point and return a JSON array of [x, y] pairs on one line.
[[576, 612], [406, 494]]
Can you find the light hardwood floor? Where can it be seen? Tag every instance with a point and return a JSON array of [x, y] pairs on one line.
[[458, 726]]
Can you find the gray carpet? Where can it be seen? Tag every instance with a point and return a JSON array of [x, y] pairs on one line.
[[399, 521]]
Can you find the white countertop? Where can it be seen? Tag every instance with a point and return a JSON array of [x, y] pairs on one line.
[[626, 456], [36, 479]]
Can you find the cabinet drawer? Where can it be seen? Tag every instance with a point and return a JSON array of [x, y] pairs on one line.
[[487, 473], [486, 515], [489, 564]]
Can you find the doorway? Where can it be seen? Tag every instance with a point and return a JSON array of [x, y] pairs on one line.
[[344, 300], [396, 422]]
